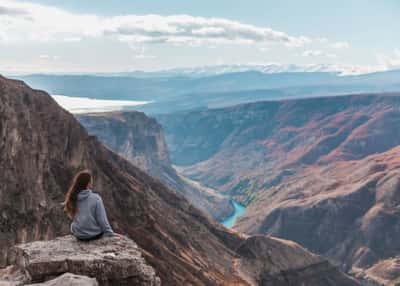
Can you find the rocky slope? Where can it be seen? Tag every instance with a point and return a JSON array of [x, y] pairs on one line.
[[140, 139], [385, 272], [42, 146], [349, 211], [322, 172]]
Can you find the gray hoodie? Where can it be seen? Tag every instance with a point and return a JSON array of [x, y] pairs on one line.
[[91, 218]]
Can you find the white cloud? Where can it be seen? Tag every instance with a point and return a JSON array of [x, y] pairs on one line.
[[312, 53], [340, 45], [184, 29], [144, 56], [139, 52], [12, 11], [72, 39], [318, 53], [390, 62], [43, 23], [322, 40], [48, 57], [24, 21]]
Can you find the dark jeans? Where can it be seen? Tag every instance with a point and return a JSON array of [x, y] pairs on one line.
[[91, 238]]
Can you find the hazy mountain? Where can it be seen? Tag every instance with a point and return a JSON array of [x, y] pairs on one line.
[[268, 68], [183, 92]]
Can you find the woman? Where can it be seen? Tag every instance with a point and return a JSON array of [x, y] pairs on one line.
[[86, 209]]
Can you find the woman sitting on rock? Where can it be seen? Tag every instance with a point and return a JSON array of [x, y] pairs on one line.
[[86, 209]]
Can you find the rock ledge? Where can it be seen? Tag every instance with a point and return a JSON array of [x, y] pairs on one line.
[[112, 261]]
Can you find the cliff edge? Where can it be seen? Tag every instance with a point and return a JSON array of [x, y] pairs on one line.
[[110, 260]]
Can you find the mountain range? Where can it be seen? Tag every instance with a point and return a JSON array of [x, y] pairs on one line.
[[181, 91]]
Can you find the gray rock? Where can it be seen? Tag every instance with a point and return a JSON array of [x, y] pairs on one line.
[[12, 276], [69, 279], [111, 260]]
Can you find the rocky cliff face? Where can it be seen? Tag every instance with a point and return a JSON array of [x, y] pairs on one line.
[[132, 134], [140, 139], [346, 210], [322, 172], [42, 146]]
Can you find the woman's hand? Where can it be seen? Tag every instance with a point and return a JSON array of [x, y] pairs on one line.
[[118, 235]]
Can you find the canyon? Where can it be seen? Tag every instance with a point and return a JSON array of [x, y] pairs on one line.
[[140, 139], [323, 172], [42, 146]]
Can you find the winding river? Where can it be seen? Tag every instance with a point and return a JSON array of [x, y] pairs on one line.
[[239, 210]]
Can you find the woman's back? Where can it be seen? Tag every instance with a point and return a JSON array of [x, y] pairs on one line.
[[86, 209], [90, 219]]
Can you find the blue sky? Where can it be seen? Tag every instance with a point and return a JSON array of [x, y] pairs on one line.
[[106, 36]]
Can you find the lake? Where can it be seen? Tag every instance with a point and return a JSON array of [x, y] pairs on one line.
[[86, 105]]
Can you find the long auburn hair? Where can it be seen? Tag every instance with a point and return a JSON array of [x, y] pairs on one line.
[[79, 183]]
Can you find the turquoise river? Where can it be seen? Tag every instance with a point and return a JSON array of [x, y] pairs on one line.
[[239, 210]]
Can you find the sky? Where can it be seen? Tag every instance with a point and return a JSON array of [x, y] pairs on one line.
[[116, 36]]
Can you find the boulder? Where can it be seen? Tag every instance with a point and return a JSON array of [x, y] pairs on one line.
[[70, 280], [111, 260]]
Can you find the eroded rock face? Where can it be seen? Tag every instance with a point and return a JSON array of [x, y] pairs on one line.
[[111, 260], [140, 139]]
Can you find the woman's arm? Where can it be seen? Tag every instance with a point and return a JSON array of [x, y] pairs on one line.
[[101, 217]]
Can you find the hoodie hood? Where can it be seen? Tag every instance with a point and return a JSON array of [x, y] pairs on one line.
[[82, 195]]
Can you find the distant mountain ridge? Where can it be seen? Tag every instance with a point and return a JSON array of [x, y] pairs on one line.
[[181, 92], [268, 68]]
